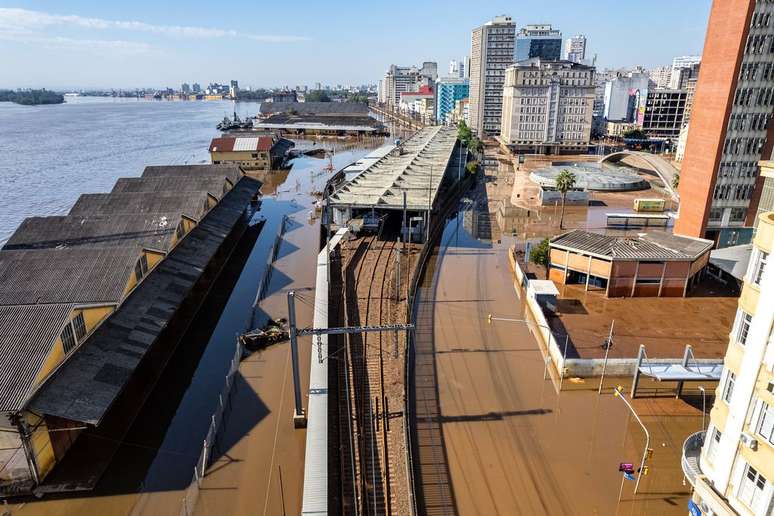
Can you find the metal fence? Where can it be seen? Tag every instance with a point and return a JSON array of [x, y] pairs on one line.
[[200, 469]]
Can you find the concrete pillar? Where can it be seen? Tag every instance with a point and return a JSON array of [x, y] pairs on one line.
[[661, 281], [588, 273], [634, 281]]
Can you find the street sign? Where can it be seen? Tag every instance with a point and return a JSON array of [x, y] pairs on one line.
[[628, 476], [626, 467], [693, 508]]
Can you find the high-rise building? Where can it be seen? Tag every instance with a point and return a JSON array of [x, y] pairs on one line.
[[661, 76], [455, 68], [679, 77], [196, 88], [541, 41], [730, 124], [575, 48], [233, 89], [185, 88], [547, 106], [466, 67], [449, 90], [429, 70], [731, 464], [625, 97], [684, 62], [397, 80], [491, 53], [664, 113]]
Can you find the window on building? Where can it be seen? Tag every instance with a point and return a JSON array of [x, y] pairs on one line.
[[141, 267], [751, 488], [759, 265], [728, 386], [714, 442], [68, 337], [744, 327], [80, 326], [766, 423]]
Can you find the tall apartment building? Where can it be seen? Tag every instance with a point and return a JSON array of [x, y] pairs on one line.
[[661, 76], [397, 80], [625, 97], [730, 129], [448, 91], [547, 106], [538, 41], [575, 48], [678, 78], [731, 465], [684, 62], [664, 113], [491, 53], [457, 68]]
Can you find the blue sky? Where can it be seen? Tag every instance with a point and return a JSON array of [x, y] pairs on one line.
[[85, 43]]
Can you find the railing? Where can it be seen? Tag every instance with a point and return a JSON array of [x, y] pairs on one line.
[[692, 456], [200, 469], [266, 278]]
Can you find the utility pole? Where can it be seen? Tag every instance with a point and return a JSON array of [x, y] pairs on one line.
[[618, 391], [429, 203], [299, 417]]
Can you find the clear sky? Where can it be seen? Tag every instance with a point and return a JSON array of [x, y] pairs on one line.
[[140, 43]]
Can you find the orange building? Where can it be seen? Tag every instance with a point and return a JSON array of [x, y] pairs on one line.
[[648, 265], [730, 125]]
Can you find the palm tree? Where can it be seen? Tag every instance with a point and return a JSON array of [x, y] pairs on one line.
[[565, 182]]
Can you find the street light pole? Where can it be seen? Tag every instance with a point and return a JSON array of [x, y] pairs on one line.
[[618, 391]]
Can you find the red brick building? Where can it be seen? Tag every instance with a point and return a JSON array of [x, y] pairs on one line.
[[731, 125]]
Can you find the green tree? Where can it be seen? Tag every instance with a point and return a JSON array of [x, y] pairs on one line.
[[565, 182], [635, 134], [676, 181], [539, 254], [464, 133], [472, 167], [475, 144], [318, 96]]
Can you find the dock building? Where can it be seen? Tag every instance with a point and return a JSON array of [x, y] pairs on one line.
[[252, 153], [67, 281], [318, 119]]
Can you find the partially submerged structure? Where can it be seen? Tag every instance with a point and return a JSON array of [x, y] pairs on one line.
[[407, 178], [251, 152], [648, 264], [84, 297], [318, 118]]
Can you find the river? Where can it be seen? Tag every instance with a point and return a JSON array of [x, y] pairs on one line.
[[52, 154]]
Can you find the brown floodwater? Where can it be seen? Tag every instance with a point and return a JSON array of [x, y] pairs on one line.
[[513, 444]]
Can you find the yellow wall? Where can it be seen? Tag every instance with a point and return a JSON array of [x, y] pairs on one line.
[[92, 316], [40, 443], [764, 238], [748, 300], [153, 259], [243, 158]]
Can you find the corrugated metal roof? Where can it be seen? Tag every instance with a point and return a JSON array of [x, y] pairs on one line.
[[191, 204], [152, 230], [245, 144], [71, 275], [211, 184], [418, 171], [27, 334], [645, 246], [316, 108], [233, 172], [86, 386]]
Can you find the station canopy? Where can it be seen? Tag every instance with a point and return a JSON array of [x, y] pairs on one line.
[[416, 167]]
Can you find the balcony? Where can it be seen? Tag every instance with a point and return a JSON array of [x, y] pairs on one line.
[[691, 456]]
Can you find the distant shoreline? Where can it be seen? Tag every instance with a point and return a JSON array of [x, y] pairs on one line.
[[31, 97]]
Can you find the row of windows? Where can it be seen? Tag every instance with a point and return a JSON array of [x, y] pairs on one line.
[[733, 192], [734, 146], [750, 71], [759, 44], [740, 169], [754, 97], [760, 20], [749, 121]]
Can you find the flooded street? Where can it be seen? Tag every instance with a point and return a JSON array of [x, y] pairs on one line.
[[512, 444], [154, 462]]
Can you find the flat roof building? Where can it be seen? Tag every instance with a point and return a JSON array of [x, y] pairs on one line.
[[664, 113], [492, 48], [648, 264], [538, 41]]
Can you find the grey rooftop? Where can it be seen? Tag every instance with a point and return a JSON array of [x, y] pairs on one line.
[[644, 246]]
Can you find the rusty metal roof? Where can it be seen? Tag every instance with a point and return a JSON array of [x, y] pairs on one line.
[[643, 246]]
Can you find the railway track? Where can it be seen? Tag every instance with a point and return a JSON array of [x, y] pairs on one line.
[[368, 276]]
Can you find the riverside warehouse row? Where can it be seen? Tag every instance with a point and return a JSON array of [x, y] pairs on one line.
[[88, 298]]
